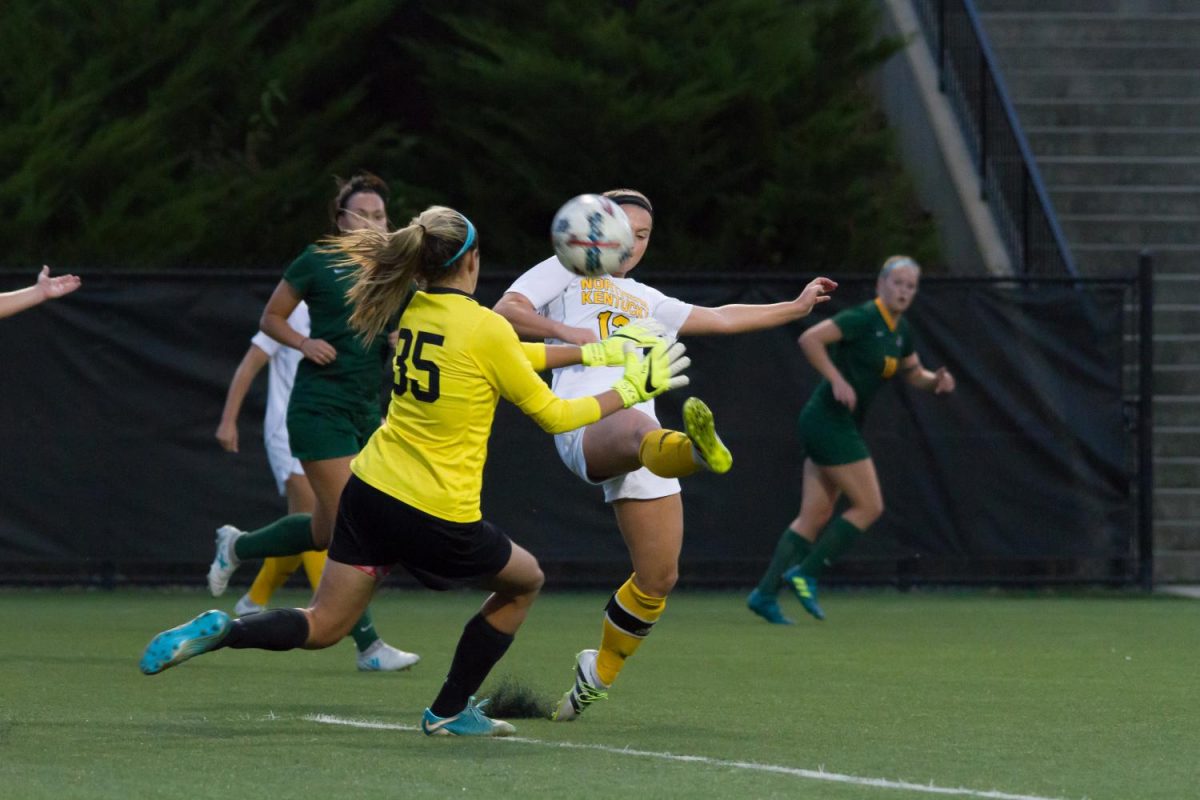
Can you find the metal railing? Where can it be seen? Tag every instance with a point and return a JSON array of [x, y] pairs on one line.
[[969, 77]]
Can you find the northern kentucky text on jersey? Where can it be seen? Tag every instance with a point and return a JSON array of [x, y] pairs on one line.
[[602, 292]]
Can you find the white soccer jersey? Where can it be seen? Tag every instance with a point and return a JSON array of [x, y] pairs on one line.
[[281, 374], [602, 304]]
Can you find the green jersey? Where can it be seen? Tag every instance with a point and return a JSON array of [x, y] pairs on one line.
[[870, 351], [352, 381]]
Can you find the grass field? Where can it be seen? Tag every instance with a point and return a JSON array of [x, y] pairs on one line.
[[896, 696]]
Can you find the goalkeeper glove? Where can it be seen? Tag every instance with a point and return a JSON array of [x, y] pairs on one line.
[[649, 377], [644, 333]]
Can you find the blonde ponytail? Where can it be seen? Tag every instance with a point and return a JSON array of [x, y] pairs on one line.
[[387, 265]]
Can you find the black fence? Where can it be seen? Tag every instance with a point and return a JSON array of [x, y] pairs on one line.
[[1028, 474], [1012, 185]]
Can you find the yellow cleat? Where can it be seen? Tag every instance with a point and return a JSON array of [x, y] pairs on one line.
[[698, 421]]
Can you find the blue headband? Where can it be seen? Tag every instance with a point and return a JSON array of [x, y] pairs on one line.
[[470, 240]]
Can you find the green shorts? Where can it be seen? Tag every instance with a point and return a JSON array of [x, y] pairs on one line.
[[318, 433], [831, 439]]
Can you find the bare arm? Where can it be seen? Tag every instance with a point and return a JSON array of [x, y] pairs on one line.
[[743, 317], [274, 323], [252, 363], [46, 288], [815, 342], [939, 381], [529, 324]]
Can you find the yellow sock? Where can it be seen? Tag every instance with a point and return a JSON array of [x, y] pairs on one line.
[[667, 454], [314, 565], [273, 574], [630, 615]]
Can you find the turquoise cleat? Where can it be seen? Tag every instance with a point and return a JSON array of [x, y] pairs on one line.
[[805, 589], [179, 644], [468, 722], [767, 607]]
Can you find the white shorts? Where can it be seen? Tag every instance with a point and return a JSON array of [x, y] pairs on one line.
[[279, 455], [641, 484]]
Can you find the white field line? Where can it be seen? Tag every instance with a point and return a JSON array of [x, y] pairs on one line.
[[810, 774]]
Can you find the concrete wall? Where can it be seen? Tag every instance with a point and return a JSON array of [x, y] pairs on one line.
[[934, 151]]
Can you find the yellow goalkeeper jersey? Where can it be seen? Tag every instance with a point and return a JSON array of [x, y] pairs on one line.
[[454, 360]]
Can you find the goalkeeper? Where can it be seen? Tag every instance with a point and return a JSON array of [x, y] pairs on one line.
[[413, 499]]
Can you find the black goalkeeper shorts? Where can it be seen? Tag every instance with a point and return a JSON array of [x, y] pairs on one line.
[[374, 531]]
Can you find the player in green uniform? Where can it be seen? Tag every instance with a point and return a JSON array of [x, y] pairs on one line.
[[857, 352], [334, 407]]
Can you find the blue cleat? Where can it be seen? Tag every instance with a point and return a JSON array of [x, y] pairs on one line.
[[468, 722], [767, 607], [179, 644], [805, 589]]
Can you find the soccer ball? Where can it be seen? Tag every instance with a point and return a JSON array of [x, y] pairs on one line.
[[592, 236]]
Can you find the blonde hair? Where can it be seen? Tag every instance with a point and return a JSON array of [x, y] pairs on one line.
[[386, 265], [896, 262]]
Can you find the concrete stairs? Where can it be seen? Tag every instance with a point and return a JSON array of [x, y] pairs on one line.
[[1108, 93]]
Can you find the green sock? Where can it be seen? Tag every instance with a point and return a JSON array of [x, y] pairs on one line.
[[791, 550], [836, 538], [364, 632], [288, 536]]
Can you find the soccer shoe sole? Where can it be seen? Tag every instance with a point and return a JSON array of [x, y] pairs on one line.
[[698, 421], [181, 643], [565, 710], [499, 728]]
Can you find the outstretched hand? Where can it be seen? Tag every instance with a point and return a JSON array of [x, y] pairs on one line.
[[659, 371], [56, 287], [817, 291]]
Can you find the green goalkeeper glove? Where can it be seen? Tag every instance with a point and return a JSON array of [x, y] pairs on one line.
[[657, 372], [644, 333]]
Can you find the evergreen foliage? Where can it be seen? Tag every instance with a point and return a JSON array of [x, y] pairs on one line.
[[157, 134]]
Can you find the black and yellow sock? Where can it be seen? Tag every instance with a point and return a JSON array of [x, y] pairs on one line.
[[791, 550], [289, 536], [363, 632], [630, 615], [836, 538], [479, 648], [668, 454]]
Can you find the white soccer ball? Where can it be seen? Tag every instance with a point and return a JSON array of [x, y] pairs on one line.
[[592, 236]]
